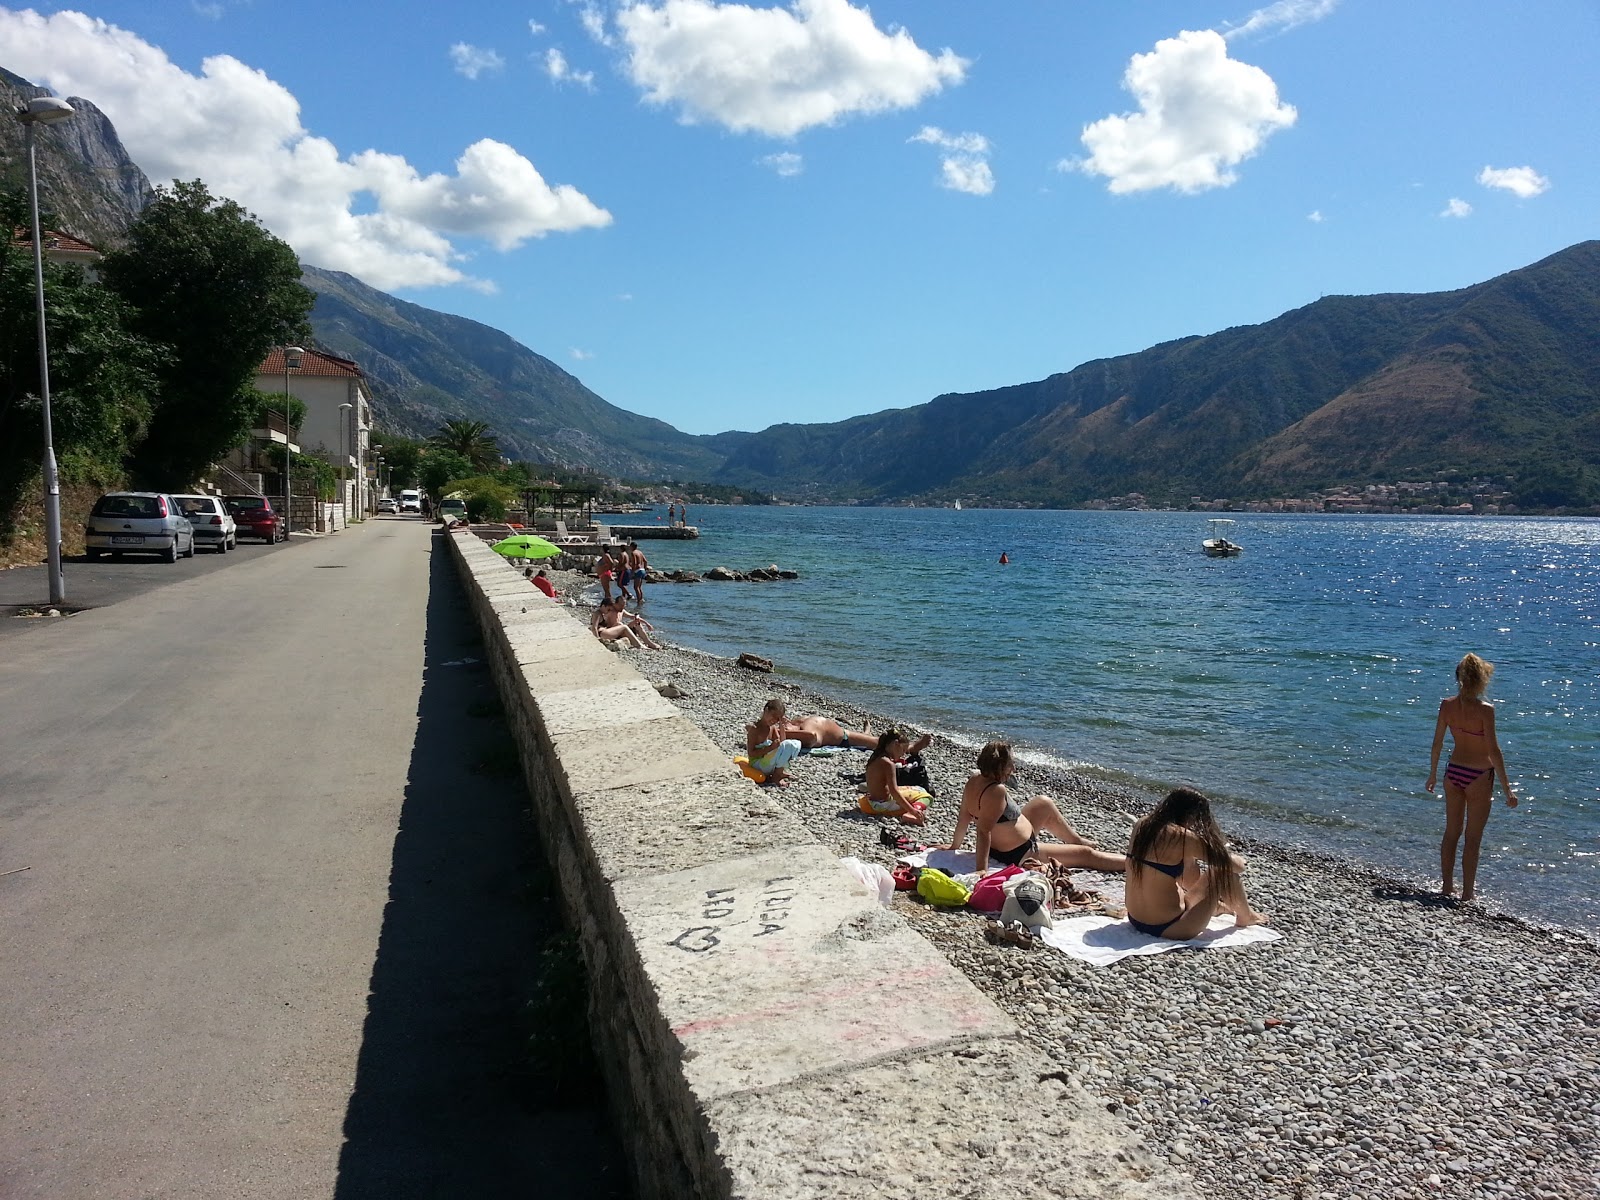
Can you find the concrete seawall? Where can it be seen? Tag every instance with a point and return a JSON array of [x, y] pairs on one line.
[[767, 1028]]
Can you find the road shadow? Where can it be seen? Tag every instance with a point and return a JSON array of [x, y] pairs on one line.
[[448, 1099]]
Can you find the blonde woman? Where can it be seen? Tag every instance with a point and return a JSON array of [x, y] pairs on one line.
[[1469, 773]]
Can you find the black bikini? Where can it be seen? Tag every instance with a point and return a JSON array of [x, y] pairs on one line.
[[1008, 816], [1175, 870]]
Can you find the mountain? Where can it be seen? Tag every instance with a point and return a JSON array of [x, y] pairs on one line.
[[426, 367], [1500, 378], [87, 182]]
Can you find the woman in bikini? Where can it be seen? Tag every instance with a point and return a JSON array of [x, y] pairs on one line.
[[1181, 872], [1469, 774], [603, 571], [885, 796], [1008, 832]]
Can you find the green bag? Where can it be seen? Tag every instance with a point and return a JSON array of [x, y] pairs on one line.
[[939, 889]]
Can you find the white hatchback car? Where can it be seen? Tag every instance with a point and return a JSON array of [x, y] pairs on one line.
[[138, 523], [213, 524], [387, 504]]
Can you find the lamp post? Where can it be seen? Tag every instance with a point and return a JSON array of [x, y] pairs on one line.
[[45, 110], [344, 460], [291, 358], [377, 471]]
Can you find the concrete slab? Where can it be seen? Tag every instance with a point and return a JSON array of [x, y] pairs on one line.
[[603, 706], [628, 755], [576, 671], [652, 829], [528, 613], [986, 1122], [781, 966]]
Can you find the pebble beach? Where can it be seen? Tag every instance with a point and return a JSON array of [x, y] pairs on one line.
[[1392, 1044]]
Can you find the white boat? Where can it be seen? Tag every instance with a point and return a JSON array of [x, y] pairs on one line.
[[1218, 545], [958, 506]]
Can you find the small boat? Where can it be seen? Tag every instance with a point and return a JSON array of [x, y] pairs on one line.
[[1217, 545], [958, 506]]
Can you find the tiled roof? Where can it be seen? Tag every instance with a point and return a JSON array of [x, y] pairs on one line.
[[22, 236], [312, 362]]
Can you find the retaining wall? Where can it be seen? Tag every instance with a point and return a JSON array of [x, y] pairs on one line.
[[767, 1028]]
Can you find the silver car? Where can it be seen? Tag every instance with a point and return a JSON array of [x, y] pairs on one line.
[[213, 524], [138, 523]]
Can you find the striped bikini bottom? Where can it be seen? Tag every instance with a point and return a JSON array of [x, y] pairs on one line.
[[1464, 777]]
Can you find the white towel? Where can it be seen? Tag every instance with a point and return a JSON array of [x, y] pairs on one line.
[[1101, 941]]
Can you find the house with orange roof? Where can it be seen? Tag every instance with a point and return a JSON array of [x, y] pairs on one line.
[[59, 247], [325, 384]]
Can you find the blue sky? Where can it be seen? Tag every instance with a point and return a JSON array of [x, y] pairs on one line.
[[727, 216]]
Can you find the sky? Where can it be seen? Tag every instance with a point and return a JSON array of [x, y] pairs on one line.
[[729, 215]]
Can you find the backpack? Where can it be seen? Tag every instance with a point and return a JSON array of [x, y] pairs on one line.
[[913, 772]]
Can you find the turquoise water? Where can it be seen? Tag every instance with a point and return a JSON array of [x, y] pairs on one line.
[[1297, 683]]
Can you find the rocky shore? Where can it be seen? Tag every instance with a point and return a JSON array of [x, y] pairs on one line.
[[1392, 1045]]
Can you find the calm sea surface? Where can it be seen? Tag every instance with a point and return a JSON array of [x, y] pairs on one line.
[[1298, 684]]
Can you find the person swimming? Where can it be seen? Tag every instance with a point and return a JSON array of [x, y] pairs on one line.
[[1468, 774]]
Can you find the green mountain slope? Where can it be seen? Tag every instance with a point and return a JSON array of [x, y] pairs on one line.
[[1499, 378], [427, 366]]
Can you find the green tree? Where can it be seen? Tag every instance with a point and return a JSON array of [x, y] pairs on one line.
[[216, 291], [264, 403], [471, 440], [401, 456], [439, 467], [100, 374]]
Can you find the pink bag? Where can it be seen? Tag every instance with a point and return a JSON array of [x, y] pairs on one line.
[[988, 894]]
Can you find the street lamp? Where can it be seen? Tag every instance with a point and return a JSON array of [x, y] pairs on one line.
[[291, 358], [344, 460], [45, 110]]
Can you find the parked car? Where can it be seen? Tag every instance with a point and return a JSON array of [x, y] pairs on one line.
[[137, 523], [451, 510], [213, 524], [257, 518], [387, 504]]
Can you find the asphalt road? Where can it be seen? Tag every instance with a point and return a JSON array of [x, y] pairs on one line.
[[274, 931]]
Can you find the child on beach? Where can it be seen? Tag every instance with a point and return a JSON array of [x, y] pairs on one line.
[[1181, 872], [1008, 832], [1469, 773], [885, 796], [768, 750]]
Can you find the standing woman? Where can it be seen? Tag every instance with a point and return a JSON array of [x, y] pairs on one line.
[[1469, 774], [1008, 832], [603, 570], [1181, 872]]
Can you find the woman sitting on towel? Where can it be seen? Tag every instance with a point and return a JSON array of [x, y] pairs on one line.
[[1181, 873], [768, 749], [1008, 832], [885, 797]]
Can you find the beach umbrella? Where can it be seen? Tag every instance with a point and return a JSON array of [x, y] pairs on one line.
[[525, 545]]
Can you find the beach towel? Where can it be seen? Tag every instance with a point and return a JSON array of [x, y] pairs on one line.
[[1101, 941]]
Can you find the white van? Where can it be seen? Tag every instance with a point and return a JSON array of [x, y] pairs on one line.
[[411, 501]]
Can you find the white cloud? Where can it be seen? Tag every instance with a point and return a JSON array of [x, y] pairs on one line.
[[582, 355], [473, 61], [1315, 216], [1285, 14], [212, 12], [965, 168], [1457, 208], [560, 71], [1200, 114], [593, 21], [785, 164], [1522, 182], [535, 28], [240, 132], [774, 70]]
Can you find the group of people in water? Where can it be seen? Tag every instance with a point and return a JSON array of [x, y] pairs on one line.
[[1180, 871]]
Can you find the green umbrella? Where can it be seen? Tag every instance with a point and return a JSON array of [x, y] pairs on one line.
[[525, 545]]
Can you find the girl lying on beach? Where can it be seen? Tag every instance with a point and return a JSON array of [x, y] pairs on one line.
[[1008, 832], [885, 795], [812, 732], [1181, 873], [1469, 774]]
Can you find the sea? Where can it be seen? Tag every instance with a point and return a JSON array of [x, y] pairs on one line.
[[1296, 684]]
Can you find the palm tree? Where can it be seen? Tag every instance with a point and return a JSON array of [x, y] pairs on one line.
[[471, 440]]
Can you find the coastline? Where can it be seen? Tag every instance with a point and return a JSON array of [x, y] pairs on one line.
[[1424, 1049]]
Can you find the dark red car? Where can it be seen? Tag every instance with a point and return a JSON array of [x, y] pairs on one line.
[[256, 518]]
